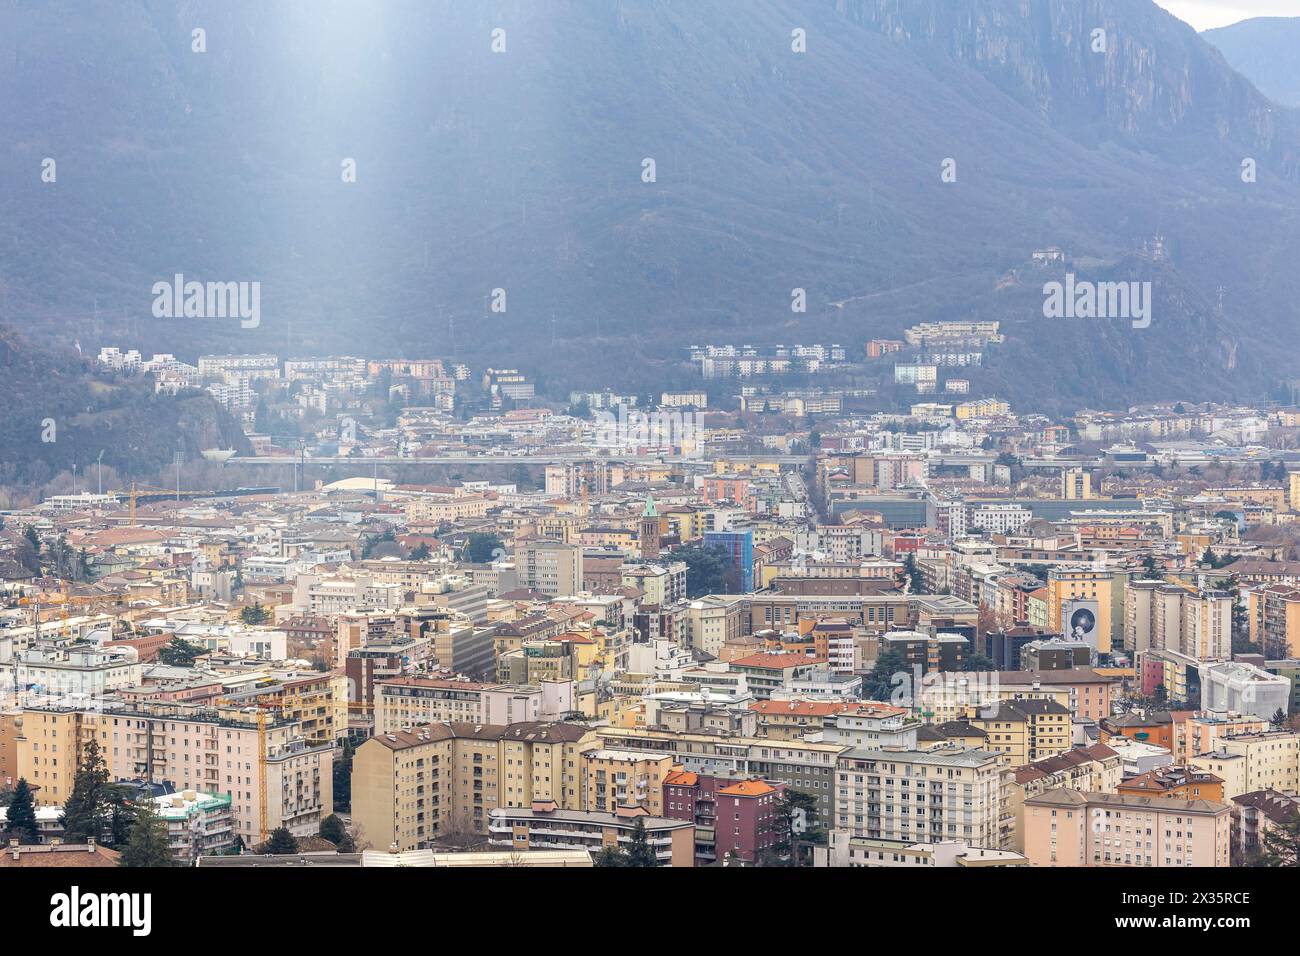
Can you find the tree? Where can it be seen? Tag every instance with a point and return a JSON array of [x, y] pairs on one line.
[[978, 662], [706, 569], [610, 856], [343, 777], [639, 851], [481, 548], [255, 614], [1278, 718], [796, 823], [915, 579], [421, 553], [372, 540], [332, 829], [148, 844], [281, 843], [84, 815], [21, 824], [1280, 843], [180, 652], [880, 683], [122, 810]]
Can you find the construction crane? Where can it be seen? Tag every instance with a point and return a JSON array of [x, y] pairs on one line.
[[263, 833], [63, 602]]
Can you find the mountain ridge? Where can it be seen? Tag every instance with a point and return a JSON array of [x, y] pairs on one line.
[[775, 171]]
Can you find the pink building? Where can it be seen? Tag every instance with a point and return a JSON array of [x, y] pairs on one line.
[[1071, 828]]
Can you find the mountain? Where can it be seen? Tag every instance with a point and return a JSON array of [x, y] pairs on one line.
[[1264, 50], [59, 412], [523, 171]]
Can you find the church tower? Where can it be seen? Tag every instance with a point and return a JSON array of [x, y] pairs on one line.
[[649, 532]]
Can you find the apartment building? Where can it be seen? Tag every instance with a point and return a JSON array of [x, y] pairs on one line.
[[1238, 687], [736, 803], [712, 621], [949, 793], [406, 702], [544, 826], [1071, 828], [197, 823], [619, 778], [273, 775], [1249, 762], [414, 787], [1072, 586], [1097, 768], [800, 765], [317, 702], [767, 673], [1160, 616], [1274, 613], [551, 567], [1023, 731]]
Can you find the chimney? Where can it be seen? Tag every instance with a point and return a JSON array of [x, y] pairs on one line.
[[90, 844]]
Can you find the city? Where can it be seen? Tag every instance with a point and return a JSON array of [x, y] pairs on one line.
[[782, 436]]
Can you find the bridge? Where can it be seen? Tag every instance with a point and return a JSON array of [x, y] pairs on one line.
[[538, 459]]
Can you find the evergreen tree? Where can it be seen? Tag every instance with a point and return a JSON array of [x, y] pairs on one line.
[[796, 821], [421, 553], [179, 652], [609, 856], [122, 812], [281, 843], [332, 829], [880, 683], [1280, 844], [639, 851], [21, 823], [148, 845], [915, 578], [343, 777], [255, 614], [84, 814]]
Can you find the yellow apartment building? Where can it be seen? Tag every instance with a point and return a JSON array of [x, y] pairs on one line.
[[1023, 731], [619, 778], [273, 775], [478, 767], [1081, 584], [1249, 762]]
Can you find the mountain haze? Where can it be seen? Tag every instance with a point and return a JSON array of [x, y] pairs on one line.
[[775, 171], [1267, 51]]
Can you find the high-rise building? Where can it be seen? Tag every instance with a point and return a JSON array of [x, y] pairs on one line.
[[739, 549]]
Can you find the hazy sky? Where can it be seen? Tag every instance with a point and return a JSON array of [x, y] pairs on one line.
[[1205, 14]]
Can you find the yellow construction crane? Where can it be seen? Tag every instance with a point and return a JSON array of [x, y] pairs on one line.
[[263, 833]]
